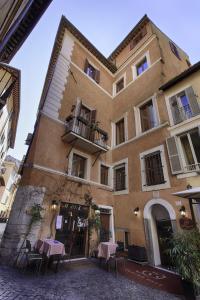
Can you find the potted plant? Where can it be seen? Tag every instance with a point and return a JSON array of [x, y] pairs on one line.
[[185, 255]]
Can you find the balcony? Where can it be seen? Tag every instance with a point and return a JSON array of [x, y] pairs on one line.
[[85, 135], [181, 114]]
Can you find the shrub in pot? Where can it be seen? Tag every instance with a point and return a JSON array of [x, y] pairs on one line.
[[185, 255]]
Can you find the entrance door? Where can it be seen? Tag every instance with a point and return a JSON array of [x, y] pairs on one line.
[[105, 225], [74, 228], [164, 232]]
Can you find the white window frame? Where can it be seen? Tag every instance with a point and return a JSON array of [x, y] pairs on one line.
[[182, 156], [115, 85], [94, 66], [125, 117], [125, 161], [88, 164], [165, 185], [167, 101], [101, 163], [137, 62], [138, 126]]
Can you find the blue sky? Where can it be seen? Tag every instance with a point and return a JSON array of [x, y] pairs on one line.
[[105, 24]]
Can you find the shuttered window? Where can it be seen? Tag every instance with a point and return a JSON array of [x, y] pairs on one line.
[[172, 147], [78, 166], [154, 169], [120, 132], [184, 105], [190, 143], [104, 174], [91, 71], [120, 177]]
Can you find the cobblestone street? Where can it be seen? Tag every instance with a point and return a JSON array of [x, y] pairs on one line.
[[77, 282]]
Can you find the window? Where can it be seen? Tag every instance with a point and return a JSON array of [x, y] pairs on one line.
[[154, 172], [120, 177], [148, 116], [142, 66], [120, 85], [78, 166], [91, 71], [120, 132], [190, 143], [138, 37], [184, 105], [104, 175], [174, 50], [153, 169]]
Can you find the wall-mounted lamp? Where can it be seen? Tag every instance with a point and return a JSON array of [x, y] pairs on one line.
[[54, 205], [182, 211], [136, 211]]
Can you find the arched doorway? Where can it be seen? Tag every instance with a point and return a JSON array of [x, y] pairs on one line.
[[160, 223]]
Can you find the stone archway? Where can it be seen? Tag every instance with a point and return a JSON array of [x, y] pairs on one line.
[[154, 211]]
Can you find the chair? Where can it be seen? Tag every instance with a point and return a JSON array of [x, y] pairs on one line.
[[33, 257], [117, 260]]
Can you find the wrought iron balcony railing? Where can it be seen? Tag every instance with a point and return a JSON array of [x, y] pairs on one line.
[[183, 113], [79, 127], [192, 168]]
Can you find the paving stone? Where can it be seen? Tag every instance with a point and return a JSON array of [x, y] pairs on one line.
[[73, 283]]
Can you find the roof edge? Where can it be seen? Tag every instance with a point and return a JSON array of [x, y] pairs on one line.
[[194, 68], [128, 37]]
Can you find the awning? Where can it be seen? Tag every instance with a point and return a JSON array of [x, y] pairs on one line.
[[193, 193]]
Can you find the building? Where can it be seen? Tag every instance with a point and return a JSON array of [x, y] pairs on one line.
[[7, 192], [9, 108], [17, 20], [103, 130], [182, 96]]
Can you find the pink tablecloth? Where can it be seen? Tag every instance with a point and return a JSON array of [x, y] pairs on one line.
[[52, 247], [105, 249]]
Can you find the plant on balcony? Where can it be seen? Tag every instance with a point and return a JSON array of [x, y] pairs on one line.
[[94, 126], [185, 255]]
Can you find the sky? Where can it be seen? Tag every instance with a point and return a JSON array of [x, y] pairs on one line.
[[105, 24]]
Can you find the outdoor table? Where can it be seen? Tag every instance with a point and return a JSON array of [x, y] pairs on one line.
[[106, 249], [52, 249]]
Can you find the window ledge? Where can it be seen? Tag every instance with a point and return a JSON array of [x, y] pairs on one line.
[[188, 174], [117, 93], [86, 181], [156, 187], [183, 124], [124, 192], [141, 135]]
